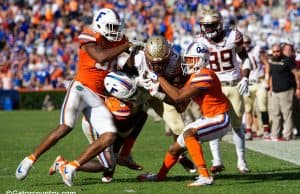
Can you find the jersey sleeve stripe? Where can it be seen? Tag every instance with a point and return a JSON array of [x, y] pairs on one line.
[[86, 37], [201, 79]]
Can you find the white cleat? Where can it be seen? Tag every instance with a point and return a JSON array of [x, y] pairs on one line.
[[67, 171], [242, 167], [56, 165], [106, 179], [24, 167], [201, 181], [243, 170]]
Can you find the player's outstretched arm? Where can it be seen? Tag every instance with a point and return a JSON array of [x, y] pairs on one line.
[[102, 55], [175, 94]]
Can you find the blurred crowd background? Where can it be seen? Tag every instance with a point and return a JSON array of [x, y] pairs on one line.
[[39, 38]]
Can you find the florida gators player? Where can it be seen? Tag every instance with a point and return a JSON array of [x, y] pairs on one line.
[[204, 88], [100, 44], [224, 45], [122, 102]]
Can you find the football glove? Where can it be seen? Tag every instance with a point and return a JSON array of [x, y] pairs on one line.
[[243, 86]]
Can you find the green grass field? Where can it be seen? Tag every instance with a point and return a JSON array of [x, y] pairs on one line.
[[22, 131]]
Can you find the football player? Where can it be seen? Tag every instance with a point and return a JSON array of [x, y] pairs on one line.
[[100, 44], [258, 87], [205, 89], [129, 118], [158, 56], [224, 45]]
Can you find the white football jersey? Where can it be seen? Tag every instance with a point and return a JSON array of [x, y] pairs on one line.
[[257, 66], [223, 59]]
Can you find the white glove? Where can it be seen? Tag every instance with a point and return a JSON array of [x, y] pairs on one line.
[[136, 44], [243, 86], [143, 82], [154, 91]]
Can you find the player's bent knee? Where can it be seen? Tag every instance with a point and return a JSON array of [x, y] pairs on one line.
[[175, 149], [108, 138]]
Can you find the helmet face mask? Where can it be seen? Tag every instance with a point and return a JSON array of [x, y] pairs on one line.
[[108, 23], [157, 66], [157, 53], [195, 58], [211, 23]]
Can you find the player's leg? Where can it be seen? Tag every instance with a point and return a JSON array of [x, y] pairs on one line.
[[169, 161], [106, 159], [102, 121], [236, 112], [124, 157], [249, 104], [217, 165], [175, 121], [262, 105], [199, 131], [70, 110]]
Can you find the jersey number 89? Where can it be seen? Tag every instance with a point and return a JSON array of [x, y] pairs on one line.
[[221, 61]]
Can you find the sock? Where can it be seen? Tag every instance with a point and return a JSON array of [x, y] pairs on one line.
[[195, 150], [266, 128], [127, 146], [74, 164], [168, 163], [32, 157], [248, 130], [215, 151], [239, 141]]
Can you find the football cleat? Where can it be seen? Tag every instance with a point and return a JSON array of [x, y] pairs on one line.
[[147, 177], [243, 170], [187, 164], [217, 168], [56, 164], [67, 171], [129, 162], [107, 176], [24, 167], [106, 179], [242, 167], [201, 181]]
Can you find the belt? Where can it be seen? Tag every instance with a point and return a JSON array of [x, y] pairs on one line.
[[230, 83], [255, 81]]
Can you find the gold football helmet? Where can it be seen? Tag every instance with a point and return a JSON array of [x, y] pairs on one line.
[[211, 23], [247, 42], [157, 52]]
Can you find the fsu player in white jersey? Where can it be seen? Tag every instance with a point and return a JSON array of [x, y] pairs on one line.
[[223, 46], [158, 56], [257, 89]]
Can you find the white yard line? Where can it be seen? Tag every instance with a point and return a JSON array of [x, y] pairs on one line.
[[288, 151]]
